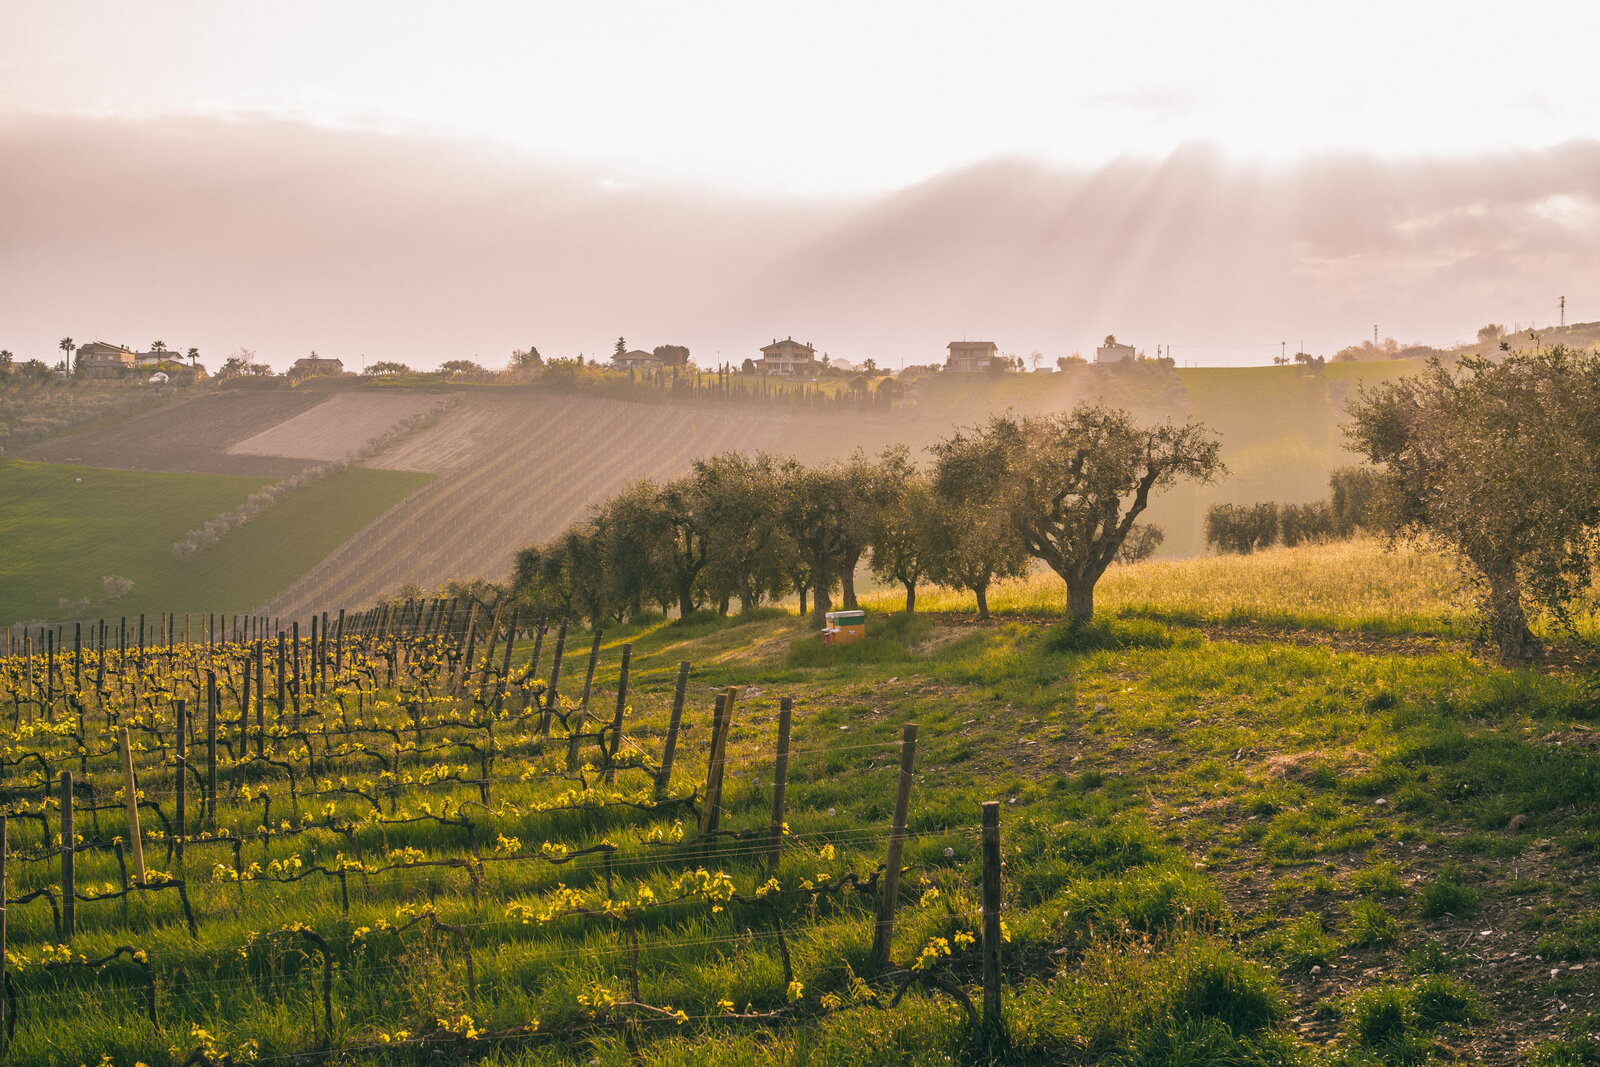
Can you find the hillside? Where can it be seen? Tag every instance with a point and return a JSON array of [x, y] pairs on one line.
[[513, 465], [512, 468], [1255, 816]]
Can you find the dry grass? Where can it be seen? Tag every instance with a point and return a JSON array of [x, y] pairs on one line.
[[1360, 584]]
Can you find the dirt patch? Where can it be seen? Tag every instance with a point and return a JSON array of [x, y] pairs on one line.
[[336, 428], [189, 436]]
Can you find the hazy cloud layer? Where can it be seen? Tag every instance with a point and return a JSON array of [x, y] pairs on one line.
[[286, 238]]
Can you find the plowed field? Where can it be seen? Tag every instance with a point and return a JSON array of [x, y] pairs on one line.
[[336, 428], [513, 469], [191, 436]]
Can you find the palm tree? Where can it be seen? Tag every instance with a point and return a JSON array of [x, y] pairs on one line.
[[67, 346], [158, 346], [192, 355]]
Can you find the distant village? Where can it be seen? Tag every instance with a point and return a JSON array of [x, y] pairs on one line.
[[787, 358]]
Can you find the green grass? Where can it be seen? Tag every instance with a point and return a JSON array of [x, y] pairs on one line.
[[1190, 825], [63, 536]]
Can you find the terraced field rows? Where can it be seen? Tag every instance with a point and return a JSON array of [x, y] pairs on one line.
[[516, 473]]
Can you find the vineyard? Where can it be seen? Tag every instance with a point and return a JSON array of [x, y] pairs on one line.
[[405, 832], [511, 470]]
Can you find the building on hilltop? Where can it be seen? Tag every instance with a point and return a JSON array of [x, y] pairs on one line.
[[636, 360], [1114, 352], [789, 359], [97, 359], [315, 366], [972, 357]]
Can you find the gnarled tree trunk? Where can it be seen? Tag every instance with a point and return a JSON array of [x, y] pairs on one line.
[[1507, 622]]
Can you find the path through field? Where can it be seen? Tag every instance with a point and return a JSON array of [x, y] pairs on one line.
[[512, 469]]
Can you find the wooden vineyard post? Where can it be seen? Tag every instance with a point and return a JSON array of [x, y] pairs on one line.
[[711, 762], [338, 646], [322, 657], [141, 641], [616, 721], [77, 659], [489, 646], [282, 666], [311, 660], [180, 823], [5, 846], [212, 701], [664, 776], [711, 815], [297, 692], [574, 728], [130, 791], [505, 661], [464, 668], [261, 700], [533, 663], [884, 933], [780, 781], [244, 717], [69, 856], [991, 915], [550, 696]]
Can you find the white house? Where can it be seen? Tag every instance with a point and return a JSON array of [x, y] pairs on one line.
[[789, 359]]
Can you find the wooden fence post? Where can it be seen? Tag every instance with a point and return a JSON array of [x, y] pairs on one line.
[[283, 667], [5, 846], [533, 663], [576, 728], [261, 700], [505, 661], [664, 776], [551, 695], [711, 814], [489, 646], [464, 668], [212, 700], [130, 791], [180, 824], [69, 874], [991, 915], [311, 660], [780, 781], [338, 646], [884, 933], [616, 721]]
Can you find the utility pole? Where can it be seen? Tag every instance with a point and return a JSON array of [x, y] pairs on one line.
[[1563, 311], [1283, 351]]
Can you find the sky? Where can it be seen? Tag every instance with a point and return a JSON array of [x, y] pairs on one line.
[[423, 181]]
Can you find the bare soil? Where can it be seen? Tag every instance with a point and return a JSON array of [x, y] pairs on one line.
[[336, 428], [190, 435]]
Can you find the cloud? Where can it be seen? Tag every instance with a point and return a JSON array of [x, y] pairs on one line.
[[285, 237]]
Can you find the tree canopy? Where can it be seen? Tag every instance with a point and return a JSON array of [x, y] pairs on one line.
[[1072, 485], [1497, 459]]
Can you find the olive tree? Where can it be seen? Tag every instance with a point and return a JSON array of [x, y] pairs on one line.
[[1497, 459], [902, 527], [1072, 485]]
